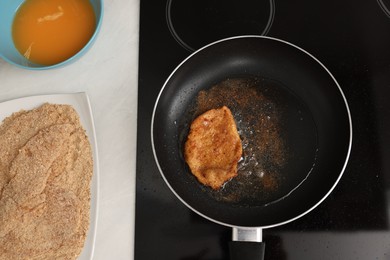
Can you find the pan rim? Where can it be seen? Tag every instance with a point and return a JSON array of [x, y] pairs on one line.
[[275, 224]]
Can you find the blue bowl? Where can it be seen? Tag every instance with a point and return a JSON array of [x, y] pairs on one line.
[[8, 51]]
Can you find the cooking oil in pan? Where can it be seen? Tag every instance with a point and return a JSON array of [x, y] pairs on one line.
[[278, 135]]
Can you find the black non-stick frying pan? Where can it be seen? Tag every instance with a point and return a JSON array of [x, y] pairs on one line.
[[314, 125]]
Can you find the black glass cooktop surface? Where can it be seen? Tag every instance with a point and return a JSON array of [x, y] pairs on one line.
[[352, 39]]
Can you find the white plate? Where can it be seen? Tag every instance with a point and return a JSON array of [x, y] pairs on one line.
[[80, 102]]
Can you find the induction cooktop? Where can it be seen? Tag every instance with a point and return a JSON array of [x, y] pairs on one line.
[[352, 39]]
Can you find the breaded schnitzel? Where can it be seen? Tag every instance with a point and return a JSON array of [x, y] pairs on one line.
[[45, 174], [213, 147]]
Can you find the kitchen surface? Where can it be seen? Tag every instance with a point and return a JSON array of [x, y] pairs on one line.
[[140, 44], [351, 40], [108, 74]]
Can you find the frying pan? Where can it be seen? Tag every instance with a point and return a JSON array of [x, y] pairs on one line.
[[318, 151]]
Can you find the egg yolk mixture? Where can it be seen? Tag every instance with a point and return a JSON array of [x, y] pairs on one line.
[[47, 32]]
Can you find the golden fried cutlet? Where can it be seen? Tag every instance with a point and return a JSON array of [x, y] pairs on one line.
[[213, 147]]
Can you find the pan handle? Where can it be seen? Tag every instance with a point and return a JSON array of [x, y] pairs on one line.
[[247, 244]]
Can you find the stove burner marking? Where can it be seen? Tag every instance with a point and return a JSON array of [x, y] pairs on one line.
[[384, 8], [191, 48]]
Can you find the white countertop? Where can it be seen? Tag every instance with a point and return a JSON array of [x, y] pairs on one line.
[[108, 73]]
